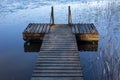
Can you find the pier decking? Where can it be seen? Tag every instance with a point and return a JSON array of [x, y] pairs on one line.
[[85, 32], [35, 31], [58, 58]]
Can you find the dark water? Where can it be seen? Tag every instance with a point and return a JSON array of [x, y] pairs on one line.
[[100, 62], [15, 64]]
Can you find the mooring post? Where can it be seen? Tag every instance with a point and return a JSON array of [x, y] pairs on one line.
[[52, 16], [69, 16]]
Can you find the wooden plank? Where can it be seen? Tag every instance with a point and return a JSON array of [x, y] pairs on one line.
[[27, 29], [87, 29], [57, 78], [58, 59], [61, 71], [59, 62], [57, 75], [41, 27], [94, 28], [76, 29], [80, 29], [90, 29], [58, 56], [73, 29], [93, 31], [48, 28], [56, 65], [89, 37], [58, 68], [58, 51], [45, 27], [33, 28], [37, 29]]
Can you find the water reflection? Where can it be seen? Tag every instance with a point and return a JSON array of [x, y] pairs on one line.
[[32, 46], [87, 45]]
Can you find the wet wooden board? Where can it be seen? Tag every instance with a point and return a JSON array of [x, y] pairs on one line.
[[59, 57], [35, 31], [85, 32]]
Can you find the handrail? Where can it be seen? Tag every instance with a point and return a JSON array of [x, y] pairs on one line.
[[52, 16], [69, 16]]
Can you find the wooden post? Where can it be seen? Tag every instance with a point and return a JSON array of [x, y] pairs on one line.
[[52, 16], [69, 16]]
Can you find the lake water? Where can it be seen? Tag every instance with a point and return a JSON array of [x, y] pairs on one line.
[[17, 59]]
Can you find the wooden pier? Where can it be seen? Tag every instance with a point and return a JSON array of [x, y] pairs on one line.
[[58, 58]]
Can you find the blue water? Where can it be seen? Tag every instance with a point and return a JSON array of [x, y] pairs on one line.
[[15, 15]]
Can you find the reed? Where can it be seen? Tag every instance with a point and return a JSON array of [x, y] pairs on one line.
[[106, 66], [109, 53]]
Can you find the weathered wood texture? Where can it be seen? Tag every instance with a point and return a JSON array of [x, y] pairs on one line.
[[85, 31], [82, 31], [35, 31], [58, 58]]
